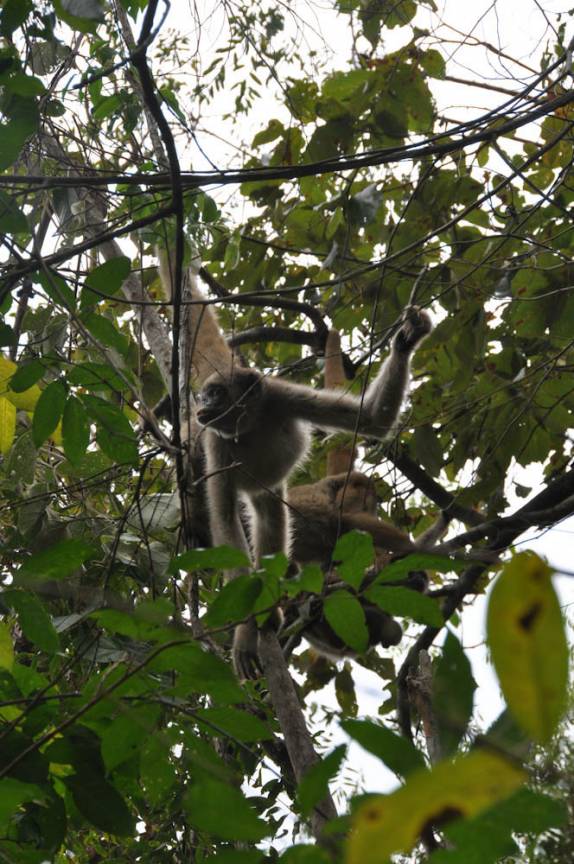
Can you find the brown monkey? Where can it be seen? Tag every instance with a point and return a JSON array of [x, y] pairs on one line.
[[322, 511], [257, 429], [207, 345]]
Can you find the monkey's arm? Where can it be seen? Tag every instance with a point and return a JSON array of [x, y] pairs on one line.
[[377, 413], [385, 536]]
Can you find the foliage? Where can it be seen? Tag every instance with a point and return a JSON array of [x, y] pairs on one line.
[[124, 732]]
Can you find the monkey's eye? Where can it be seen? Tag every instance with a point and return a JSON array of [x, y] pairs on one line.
[[214, 393]]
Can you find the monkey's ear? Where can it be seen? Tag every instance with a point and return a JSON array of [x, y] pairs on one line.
[[251, 380]]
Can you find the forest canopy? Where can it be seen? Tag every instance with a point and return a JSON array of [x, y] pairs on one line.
[[310, 170]]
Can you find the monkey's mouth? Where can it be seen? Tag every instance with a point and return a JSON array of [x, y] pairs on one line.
[[206, 415]]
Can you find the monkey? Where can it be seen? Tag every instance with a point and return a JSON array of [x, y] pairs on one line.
[[209, 351], [320, 512], [257, 430]]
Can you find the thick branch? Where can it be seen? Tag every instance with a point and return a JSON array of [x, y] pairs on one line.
[[433, 490], [290, 716], [272, 302], [151, 322], [272, 334]]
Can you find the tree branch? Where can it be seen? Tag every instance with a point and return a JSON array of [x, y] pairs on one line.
[[429, 487], [290, 716]]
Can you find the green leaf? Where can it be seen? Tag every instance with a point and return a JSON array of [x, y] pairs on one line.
[[25, 85], [345, 691], [392, 749], [157, 771], [219, 558], [528, 645], [7, 335], [488, 837], [453, 694], [107, 279], [199, 671], [27, 375], [239, 725], [96, 376], [75, 429], [6, 647], [221, 809], [30, 766], [406, 603], [355, 552], [7, 425], [419, 561], [232, 252], [56, 288], [433, 63], [12, 220], [272, 131], [303, 854], [346, 616], [386, 824], [22, 123], [35, 622], [101, 803], [315, 784], [235, 601], [57, 562], [13, 14], [126, 734], [428, 449], [114, 435], [48, 411], [106, 332], [13, 794], [310, 579]]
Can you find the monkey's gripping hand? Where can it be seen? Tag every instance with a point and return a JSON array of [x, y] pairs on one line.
[[416, 325], [244, 651], [245, 648]]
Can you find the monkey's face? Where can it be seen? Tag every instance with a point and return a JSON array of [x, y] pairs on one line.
[[355, 493], [230, 404]]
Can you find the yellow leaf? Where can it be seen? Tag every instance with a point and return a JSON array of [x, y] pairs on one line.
[[6, 647], [461, 788], [528, 644], [7, 424], [25, 401]]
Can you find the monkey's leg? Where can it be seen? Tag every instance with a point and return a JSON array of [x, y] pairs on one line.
[[226, 529], [271, 523], [270, 534]]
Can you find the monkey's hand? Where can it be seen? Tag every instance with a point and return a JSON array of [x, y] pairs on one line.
[[416, 325], [244, 651]]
